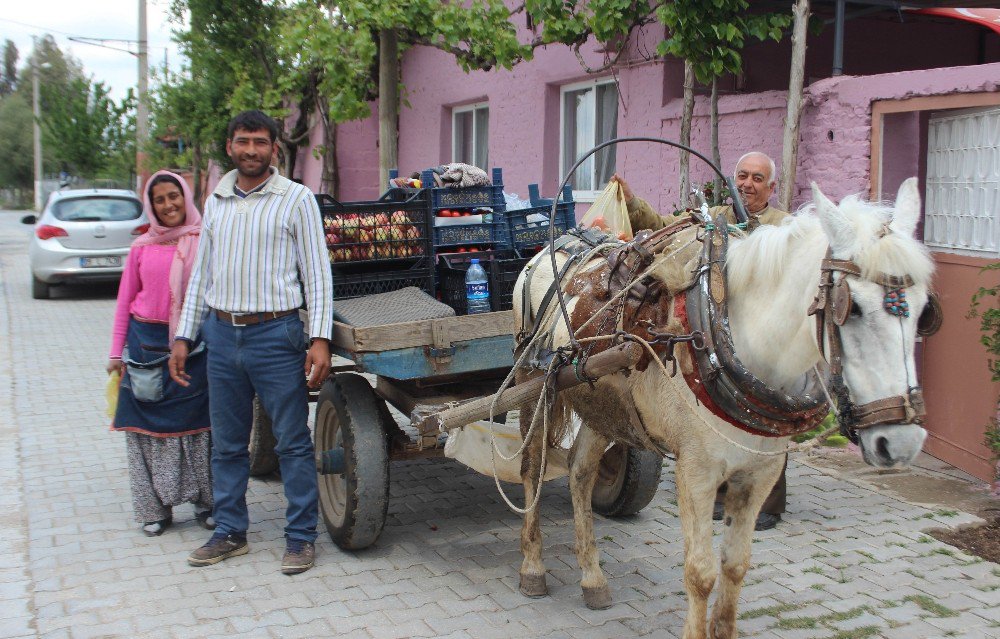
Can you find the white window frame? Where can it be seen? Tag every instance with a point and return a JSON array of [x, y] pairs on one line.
[[455, 112], [579, 196]]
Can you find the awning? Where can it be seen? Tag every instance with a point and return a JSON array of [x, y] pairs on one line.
[[989, 18]]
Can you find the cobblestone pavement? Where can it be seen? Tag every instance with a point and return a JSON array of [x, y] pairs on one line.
[[847, 562]]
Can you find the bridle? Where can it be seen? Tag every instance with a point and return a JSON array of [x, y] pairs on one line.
[[832, 308]]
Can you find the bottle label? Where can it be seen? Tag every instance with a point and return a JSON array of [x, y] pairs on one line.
[[477, 290]]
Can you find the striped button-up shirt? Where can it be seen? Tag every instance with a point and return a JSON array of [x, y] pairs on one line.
[[255, 251]]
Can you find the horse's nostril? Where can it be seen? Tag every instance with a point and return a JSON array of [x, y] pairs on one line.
[[882, 446]]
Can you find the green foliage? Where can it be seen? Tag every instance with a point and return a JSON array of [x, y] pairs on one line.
[[15, 130], [83, 129], [989, 326], [710, 34]]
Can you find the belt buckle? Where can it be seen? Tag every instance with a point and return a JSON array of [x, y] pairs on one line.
[[233, 316]]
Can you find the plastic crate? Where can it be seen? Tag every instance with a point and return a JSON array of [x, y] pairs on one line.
[[347, 285], [502, 268], [525, 233], [493, 232], [465, 198], [390, 233]]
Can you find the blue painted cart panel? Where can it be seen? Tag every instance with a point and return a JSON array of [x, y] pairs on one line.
[[481, 354]]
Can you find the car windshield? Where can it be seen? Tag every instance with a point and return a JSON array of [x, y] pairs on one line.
[[97, 209]]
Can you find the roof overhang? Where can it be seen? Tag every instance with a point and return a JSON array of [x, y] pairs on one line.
[[989, 18]]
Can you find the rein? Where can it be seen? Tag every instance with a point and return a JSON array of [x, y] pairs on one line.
[[832, 308]]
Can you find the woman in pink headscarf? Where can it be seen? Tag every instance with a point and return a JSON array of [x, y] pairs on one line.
[[166, 425]]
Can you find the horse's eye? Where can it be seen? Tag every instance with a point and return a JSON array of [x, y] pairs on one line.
[[855, 309]]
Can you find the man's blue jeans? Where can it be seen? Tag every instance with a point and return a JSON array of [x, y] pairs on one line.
[[267, 359]]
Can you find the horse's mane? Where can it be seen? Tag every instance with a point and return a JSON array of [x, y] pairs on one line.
[[771, 250]]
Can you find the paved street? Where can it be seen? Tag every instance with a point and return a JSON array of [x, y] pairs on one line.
[[847, 563]]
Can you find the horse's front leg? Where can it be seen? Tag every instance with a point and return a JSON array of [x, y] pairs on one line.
[[584, 460], [532, 568], [697, 481], [745, 494]]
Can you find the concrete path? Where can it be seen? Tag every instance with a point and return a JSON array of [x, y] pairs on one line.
[[848, 562]]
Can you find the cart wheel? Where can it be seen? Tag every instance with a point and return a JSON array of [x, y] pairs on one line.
[[354, 504], [626, 481], [263, 459]]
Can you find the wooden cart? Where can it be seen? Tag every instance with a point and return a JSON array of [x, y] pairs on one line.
[[424, 362]]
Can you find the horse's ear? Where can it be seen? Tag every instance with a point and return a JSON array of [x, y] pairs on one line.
[[907, 213], [837, 227]]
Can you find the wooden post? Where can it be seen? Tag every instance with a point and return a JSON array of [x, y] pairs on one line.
[[688, 114], [388, 105], [790, 148]]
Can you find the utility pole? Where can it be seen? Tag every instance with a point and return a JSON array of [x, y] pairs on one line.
[[36, 112], [142, 109]]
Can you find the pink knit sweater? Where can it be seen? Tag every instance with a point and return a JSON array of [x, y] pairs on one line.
[[144, 291]]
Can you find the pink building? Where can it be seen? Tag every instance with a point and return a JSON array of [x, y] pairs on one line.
[[901, 108]]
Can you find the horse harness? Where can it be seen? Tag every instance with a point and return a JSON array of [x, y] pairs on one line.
[[832, 308], [697, 319]]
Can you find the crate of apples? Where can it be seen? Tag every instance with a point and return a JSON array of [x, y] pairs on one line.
[[355, 237]]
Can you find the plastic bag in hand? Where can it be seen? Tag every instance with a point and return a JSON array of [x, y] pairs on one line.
[[609, 213]]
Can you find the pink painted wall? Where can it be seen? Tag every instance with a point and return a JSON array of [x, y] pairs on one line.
[[524, 108]]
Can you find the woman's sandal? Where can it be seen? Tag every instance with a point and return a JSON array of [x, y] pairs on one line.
[[156, 528], [205, 519]]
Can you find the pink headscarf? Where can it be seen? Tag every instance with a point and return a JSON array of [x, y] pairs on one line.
[[186, 235]]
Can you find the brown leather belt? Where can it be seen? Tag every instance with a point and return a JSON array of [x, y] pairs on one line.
[[249, 319]]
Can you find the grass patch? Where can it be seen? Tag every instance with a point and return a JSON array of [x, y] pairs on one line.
[[927, 604], [943, 551], [608, 538], [867, 555], [924, 539], [817, 586], [858, 633], [798, 623], [946, 513], [815, 569], [918, 575], [853, 613], [771, 611]]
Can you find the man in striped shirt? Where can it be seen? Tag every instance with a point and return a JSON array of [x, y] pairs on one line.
[[261, 246]]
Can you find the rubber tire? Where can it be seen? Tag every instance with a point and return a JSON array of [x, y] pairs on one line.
[[626, 482], [39, 289], [263, 459], [354, 504]]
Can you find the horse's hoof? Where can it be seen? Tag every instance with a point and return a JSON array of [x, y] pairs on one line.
[[533, 586], [597, 598]]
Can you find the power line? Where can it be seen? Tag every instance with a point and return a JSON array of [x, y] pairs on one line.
[[74, 37]]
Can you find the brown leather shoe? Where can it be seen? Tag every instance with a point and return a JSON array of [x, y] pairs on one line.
[[298, 557], [221, 546]]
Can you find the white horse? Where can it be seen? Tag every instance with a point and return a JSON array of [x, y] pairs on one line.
[[773, 276]]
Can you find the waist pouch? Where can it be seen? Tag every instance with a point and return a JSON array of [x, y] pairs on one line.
[[146, 379]]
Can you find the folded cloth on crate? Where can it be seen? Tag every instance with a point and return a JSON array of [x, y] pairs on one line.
[[408, 304], [462, 175]]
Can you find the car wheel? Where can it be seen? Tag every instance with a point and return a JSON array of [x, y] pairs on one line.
[[39, 289]]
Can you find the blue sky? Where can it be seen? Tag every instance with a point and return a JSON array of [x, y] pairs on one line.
[[114, 19]]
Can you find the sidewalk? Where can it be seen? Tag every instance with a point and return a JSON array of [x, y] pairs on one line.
[[849, 561]]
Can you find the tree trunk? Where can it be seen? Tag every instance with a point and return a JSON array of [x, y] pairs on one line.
[[199, 197], [790, 147], [716, 156], [331, 166], [685, 163], [388, 105]]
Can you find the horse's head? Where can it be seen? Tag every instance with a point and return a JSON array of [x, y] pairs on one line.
[[878, 281]]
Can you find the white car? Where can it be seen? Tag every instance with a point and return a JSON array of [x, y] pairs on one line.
[[83, 236]]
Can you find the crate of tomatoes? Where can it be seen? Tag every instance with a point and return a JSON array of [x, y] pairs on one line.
[[470, 226], [378, 246]]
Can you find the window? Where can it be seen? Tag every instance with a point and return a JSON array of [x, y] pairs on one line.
[[589, 117], [470, 134], [97, 209], [963, 182]]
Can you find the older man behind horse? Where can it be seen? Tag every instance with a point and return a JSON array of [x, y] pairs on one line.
[[755, 182]]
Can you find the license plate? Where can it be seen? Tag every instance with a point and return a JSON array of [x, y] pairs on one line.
[[102, 261]]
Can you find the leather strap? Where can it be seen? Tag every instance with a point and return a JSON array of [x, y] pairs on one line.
[[249, 319]]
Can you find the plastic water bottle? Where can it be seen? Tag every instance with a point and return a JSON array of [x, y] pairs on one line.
[[477, 289]]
